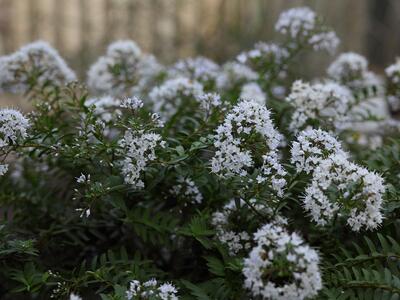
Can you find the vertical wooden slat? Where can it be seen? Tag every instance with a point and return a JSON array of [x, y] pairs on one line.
[[199, 38], [109, 22], [187, 27], [71, 34], [221, 25], [20, 24], [176, 28], [132, 11], [96, 16], [34, 16], [155, 10], [85, 30], [6, 26], [119, 20], [45, 22], [165, 30], [58, 24]]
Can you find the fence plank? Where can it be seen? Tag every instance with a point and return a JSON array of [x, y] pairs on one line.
[[174, 28]]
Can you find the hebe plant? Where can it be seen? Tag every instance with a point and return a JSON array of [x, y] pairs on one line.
[[200, 181]]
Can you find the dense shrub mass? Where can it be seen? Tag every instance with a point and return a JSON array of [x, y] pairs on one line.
[[201, 181]]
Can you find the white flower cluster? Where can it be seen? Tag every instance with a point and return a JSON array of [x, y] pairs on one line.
[[3, 169], [357, 191], [393, 76], [74, 297], [172, 94], [273, 171], [124, 70], [235, 241], [199, 68], [105, 107], [324, 41], [138, 149], [151, 289], [187, 188], [231, 158], [133, 103], [83, 179], [311, 147], [393, 72], [224, 222], [208, 101], [281, 266], [266, 58], [13, 125], [252, 91], [235, 74], [34, 64], [296, 21], [359, 194], [351, 69], [303, 24], [325, 102]]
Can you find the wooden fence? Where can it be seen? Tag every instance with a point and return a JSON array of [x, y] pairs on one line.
[[81, 29]]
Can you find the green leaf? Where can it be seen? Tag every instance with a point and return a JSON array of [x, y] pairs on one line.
[[195, 291]]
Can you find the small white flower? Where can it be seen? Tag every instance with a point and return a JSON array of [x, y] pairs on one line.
[[105, 107], [328, 103], [187, 188], [200, 69], [296, 21], [13, 125], [237, 240], [133, 103], [393, 72], [233, 159], [313, 146], [252, 91], [358, 197], [3, 169], [156, 119], [393, 89], [235, 74], [151, 290], [74, 297], [138, 148], [263, 266], [38, 61], [174, 93], [167, 292], [83, 178], [327, 41], [302, 23], [351, 69], [124, 70], [266, 54], [209, 100], [150, 283]]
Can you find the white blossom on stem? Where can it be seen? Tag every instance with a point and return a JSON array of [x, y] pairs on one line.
[[13, 126], [173, 93], [138, 149], [358, 194], [232, 157], [281, 266], [36, 64], [151, 289], [313, 146]]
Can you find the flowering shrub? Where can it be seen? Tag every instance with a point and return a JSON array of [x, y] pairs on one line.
[[200, 181]]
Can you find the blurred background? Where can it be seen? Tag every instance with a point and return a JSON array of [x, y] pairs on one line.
[[171, 29]]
